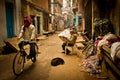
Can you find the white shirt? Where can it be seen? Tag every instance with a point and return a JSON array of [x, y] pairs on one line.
[[29, 32]]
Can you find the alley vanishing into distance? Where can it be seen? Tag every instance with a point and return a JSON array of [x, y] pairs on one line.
[[50, 48]]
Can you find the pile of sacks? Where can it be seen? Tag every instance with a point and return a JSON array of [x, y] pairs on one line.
[[92, 64], [65, 34], [113, 42]]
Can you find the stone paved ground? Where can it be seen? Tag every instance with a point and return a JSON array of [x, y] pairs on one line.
[[42, 70]]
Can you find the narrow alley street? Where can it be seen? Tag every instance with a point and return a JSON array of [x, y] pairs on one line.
[[95, 46], [42, 70]]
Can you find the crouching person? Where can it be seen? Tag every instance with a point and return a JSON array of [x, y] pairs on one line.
[[69, 42]]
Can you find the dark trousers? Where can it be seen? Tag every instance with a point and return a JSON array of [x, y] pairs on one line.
[[32, 47], [64, 44]]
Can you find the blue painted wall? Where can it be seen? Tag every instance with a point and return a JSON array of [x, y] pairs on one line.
[[9, 20]]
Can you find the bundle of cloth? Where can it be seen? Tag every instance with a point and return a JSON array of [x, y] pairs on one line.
[[65, 34], [115, 50], [115, 53], [108, 39], [113, 42], [91, 64]]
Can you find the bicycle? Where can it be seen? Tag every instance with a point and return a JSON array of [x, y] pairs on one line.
[[21, 58], [89, 48]]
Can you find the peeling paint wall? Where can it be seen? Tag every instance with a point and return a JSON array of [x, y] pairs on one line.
[[41, 4], [3, 33]]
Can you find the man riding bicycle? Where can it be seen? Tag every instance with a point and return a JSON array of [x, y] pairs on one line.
[[28, 33]]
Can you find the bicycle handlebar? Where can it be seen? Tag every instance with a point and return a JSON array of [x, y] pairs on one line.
[[29, 41]]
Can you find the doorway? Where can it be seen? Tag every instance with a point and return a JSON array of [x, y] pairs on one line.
[[9, 19], [38, 24]]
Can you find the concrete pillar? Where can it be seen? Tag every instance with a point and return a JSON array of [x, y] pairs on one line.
[[3, 29], [92, 19], [80, 7], [17, 16], [81, 11], [28, 10], [52, 11]]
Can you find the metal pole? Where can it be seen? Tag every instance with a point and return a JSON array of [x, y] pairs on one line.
[[92, 19], [17, 16]]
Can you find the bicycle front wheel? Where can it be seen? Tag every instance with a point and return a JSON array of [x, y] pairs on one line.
[[18, 63]]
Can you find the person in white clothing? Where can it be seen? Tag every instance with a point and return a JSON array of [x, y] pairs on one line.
[[27, 30], [28, 33]]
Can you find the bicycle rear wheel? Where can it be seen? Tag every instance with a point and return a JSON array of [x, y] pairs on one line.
[[18, 63], [33, 58]]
